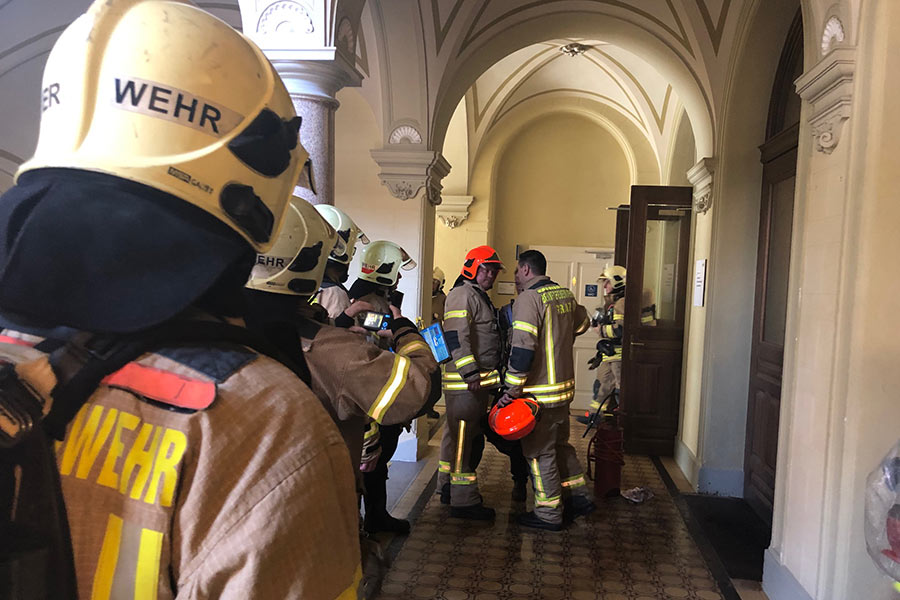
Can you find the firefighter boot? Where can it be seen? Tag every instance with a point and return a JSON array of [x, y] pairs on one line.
[[476, 512], [377, 518], [577, 506], [530, 519], [520, 490]]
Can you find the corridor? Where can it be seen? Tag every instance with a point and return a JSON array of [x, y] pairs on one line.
[[621, 551]]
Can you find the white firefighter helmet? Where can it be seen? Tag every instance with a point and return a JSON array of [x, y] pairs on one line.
[[162, 93], [296, 263], [382, 260], [616, 276], [347, 229], [439, 275]]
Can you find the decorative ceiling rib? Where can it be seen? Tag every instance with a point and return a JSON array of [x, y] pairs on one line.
[[680, 35], [714, 30]]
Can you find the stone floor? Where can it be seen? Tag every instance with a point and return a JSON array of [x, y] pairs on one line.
[[621, 552]]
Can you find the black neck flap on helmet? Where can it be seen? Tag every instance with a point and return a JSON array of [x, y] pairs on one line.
[[100, 253]]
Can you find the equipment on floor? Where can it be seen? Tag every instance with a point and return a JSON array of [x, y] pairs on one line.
[[605, 459]]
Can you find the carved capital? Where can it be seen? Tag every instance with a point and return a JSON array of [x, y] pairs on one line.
[[406, 172], [701, 177], [454, 210], [828, 87]]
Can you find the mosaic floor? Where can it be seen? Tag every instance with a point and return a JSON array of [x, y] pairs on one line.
[[620, 552]]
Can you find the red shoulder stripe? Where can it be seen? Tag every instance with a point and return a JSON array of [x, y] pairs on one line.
[[163, 386]]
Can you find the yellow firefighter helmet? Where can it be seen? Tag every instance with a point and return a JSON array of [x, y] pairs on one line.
[[347, 229], [296, 263], [165, 94], [616, 276], [439, 275], [381, 261]]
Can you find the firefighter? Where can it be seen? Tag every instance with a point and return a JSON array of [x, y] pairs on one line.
[[473, 339], [166, 157], [609, 327], [438, 297], [546, 320], [333, 295], [380, 266], [357, 382]]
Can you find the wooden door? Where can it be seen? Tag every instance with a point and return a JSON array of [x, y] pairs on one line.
[[658, 250], [779, 158], [578, 268]]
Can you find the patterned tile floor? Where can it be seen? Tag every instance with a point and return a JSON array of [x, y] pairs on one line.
[[620, 552]]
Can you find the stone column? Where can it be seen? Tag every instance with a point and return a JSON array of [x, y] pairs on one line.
[[313, 85]]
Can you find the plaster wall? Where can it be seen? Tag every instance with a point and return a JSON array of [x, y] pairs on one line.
[[554, 182], [718, 346]]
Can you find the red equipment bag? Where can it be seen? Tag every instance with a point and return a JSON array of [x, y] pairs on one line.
[[605, 459]]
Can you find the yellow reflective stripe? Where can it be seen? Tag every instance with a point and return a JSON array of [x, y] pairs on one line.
[[551, 387], [352, 592], [456, 314], [444, 466], [389, 392], [618, 317], [460, 443], [491, 381], [526, 327], [608, 331], [109, 556], [455, 376], [545, 399], [514, 379], [146, 579], [412, 347], [573, 481], [371, 431], [462, 478], [551, 360], [536, 475], [465, 360], [647, 319], [549, 502], [454, 386]]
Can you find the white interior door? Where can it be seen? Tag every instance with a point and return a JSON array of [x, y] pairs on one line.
[[578, 268]]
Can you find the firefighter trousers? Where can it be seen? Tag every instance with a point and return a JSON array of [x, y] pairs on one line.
[[555, 469], [463, 427], [609, 374]]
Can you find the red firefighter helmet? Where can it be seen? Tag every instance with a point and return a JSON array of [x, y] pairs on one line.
[[482, 255], [515, 420]]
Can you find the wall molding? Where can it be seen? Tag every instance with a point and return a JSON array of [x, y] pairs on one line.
[[701, 177], [406, 172], [828, 86], [721, 482], [778, 582], [687, 462], [454, 210]]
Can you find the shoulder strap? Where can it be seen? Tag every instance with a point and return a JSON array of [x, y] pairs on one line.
[[82, 363]]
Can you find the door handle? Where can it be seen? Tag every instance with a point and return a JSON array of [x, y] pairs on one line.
[[638, 344]]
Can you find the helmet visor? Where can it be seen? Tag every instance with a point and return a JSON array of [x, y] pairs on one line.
[[407, 263]]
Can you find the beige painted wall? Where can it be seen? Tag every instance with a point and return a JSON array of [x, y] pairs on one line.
[[554, 181]]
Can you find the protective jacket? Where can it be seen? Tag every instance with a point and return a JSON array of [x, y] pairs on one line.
[[438, 306], [612, 325], [546, 320], [472, 335], [333, 298], [203, 472], [359, 382]]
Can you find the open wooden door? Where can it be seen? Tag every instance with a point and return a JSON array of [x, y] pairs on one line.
[[658, 250]]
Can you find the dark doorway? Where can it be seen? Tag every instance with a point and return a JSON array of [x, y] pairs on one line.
[[779, 158]]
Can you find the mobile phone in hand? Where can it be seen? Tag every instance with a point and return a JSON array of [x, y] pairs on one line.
[[396, 299], [375, 321]]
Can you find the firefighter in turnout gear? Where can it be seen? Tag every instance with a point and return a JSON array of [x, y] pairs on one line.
[[357, 382], [188, 472], [472, 334], [609, 326], [546, 320], [380, 266], [333, 296], [438, 297]]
